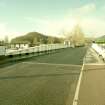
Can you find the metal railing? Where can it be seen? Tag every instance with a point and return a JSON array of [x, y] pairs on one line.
[[41, 48], [100, 49]]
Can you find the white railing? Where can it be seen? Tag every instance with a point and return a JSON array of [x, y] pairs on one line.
[[2, 50], [40, 48], [100, 49]]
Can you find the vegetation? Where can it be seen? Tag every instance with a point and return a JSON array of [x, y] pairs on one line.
[[76, 37], [2, 43], [100, 40], [35, 38]]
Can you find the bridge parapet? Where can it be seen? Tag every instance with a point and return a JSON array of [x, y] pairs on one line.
[[41, 48], [100, 49]]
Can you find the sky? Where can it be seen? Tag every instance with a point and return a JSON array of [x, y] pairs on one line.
[[51, 17]]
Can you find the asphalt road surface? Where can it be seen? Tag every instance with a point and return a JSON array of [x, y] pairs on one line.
[[65, 56], [45, 80], [52, 79]]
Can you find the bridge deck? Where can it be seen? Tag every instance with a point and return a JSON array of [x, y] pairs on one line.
[[45, 80]]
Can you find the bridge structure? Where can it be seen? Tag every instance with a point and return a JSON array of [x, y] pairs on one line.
[[18, 54], [100, 49], [41, 48], [72, 76]]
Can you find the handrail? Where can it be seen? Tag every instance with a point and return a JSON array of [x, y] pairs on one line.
[[100, 49], [45, 47]]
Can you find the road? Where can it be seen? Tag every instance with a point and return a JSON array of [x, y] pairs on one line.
[[52, 79], [46, 80]]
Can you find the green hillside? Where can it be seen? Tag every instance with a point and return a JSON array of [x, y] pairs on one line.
[[36, 38], [100, 39]]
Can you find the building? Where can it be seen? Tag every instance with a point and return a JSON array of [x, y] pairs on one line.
[[19, 45], [67, 42]]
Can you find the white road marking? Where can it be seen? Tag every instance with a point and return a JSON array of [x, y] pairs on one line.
[[95, 64], [52, 64], [75, 101]]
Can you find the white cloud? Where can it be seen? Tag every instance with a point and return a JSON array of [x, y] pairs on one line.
[[93, 26], [83, 15], [86, 9], [51, 27], [6, 31], [81, 12]]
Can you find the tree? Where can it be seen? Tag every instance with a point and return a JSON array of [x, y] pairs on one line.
[[2, 42], [78, 36], [50, 40], [35, 41], [75, 37]]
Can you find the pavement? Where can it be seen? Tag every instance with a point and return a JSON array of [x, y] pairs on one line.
[[92, 88]]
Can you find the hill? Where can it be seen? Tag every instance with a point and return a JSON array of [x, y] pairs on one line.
[[100, 39], [35, 38]]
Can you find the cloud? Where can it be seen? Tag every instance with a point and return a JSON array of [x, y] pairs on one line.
[[51, 27], [83, 15], [86, 15], [82, 11], [5, 30], [89, 8], [93, 26]]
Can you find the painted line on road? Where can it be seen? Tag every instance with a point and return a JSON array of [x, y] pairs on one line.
[[76, 96], [75, 101], [51, 64], [95, 64]]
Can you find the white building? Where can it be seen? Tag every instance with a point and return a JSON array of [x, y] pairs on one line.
[[19, 45], [67, 42]]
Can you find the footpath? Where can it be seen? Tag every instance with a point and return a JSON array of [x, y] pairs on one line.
[[92, 88]]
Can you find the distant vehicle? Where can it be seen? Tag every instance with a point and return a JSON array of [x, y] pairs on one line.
[[79, 44]]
